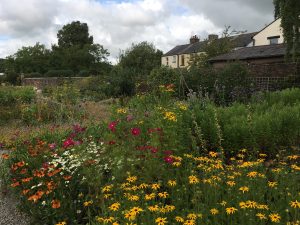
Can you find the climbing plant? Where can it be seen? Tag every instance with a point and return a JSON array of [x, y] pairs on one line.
[[289, 11]]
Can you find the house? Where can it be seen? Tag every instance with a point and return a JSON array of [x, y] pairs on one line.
[[179, 56], [267, 47]]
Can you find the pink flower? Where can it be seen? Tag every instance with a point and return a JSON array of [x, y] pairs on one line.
[[168, 159], [112, 126], [78, 129], [69, 142], [129, 118], [154, 150], [135, 131], [52, 146]]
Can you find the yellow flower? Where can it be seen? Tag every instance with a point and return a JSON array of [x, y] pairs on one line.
[[230, 183], [133, 197], [107, 196], [130, 216], [163, 194], [115, 206], [155, 186], [172, 183], [295, 204], [242, 205], [193, 180], [244, 189], [150, 196], [213, 154], [154, 208], [136, 210], [192, 216], [161, 221], [131, 179], [275, 217], [261, 216], [107, 188], [122, 110], [223, 203], [189, 222], [231, 210], [143, 185], [176, 164], [87, 203], [61, 223], [272, 184], [214, 211], [251, 204], [252, 174], [179, 219], [170, 116]]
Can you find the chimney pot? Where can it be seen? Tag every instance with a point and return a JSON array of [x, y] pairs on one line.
[[194, 39]]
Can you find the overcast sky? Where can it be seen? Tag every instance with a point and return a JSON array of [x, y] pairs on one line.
[[116, 24]]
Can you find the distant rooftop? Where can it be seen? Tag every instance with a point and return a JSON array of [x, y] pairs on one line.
[[265, 51], [238, 41]]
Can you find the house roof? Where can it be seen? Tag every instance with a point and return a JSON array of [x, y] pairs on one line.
[[238, 41], [265, 51]]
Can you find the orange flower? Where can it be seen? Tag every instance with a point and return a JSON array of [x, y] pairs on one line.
[[33, 198], [5, 156], [38, 173], [20, 164], [67, 177], [15, 184], [55, 204], [50, 174], [24, 192], [23, 171], [25, 180]]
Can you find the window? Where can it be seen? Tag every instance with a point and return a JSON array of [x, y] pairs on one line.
[[274, 40], [174, 59], [182, 60], [167, 61]]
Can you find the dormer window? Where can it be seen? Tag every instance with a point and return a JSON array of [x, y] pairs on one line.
[[274, 40]]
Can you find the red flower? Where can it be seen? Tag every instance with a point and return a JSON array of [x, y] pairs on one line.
[[69, 142], [168, 159], [168, 152], [112, 126], [135, 131]]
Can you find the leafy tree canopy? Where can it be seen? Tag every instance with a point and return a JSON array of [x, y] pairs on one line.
[[75, 33], [141, 58], [289, 11]]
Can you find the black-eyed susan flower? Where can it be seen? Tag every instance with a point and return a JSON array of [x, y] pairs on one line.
[[172, 183], [115, 206], [261, 216], [189, 222], [131, 179], [161, 221], [163, 194], [272, 184], [231, 210], [244, 189], [214, 211], [193, 179], [150, 196], [179, 219], [295, 204], [275, 217]]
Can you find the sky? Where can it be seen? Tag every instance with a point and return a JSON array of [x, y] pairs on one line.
[[116, 24]]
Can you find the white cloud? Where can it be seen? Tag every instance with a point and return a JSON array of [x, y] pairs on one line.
[[116, 25]]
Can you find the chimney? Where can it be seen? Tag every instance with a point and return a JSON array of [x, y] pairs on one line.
[[212, 37], [194, 39]]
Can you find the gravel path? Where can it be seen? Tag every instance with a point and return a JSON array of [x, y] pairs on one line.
[[9, 214]]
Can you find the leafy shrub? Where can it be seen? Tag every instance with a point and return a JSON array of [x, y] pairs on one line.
[[12, 95]]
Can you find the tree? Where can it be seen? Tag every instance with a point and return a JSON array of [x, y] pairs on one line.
[[289, 11], [28, 60], [76, 50], [141, 58], [2, 61], [75, 33]]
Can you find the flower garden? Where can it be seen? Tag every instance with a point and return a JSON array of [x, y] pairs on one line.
[[162, 161]]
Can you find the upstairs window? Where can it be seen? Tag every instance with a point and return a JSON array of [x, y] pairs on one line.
[[274, 40]]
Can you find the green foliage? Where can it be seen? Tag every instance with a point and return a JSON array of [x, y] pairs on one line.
[[73, 34], [122, 81], [163, 76], [10, 96], [141, 59], [290, 22], [59, 73]]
